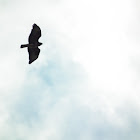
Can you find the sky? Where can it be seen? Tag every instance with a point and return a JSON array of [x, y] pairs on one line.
[[85, 83]]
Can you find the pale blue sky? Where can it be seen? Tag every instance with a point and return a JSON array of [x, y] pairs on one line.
[[85, 83]]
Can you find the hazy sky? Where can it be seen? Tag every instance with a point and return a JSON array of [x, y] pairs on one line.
[[85, 85]]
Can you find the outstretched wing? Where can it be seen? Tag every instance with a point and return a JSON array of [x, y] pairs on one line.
[[33, 49], [33, 54], [34, 35]]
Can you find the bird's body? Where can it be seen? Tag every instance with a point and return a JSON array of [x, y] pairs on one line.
[[33, 49]]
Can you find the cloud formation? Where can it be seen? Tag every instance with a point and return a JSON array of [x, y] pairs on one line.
[[85, 84]]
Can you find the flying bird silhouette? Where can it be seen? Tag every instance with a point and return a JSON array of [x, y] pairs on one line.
[[33, 49]]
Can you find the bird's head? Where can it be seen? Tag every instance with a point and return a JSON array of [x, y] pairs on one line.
[[39, 43]]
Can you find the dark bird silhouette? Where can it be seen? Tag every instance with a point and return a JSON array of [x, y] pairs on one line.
[[33, 49]]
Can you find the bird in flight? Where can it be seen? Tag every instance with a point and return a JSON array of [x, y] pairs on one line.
[[33, 49]]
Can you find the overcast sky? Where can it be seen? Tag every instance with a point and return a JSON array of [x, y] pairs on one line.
[[85, 85]]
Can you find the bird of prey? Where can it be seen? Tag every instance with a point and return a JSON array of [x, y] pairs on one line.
[[33, 49]]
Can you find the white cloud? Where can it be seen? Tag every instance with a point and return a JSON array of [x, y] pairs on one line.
[[85, 84]]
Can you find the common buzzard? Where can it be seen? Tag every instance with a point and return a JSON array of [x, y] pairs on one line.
[[33, 49]]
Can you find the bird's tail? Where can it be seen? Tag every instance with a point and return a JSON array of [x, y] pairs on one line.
[[27, 45], [23, 46]]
